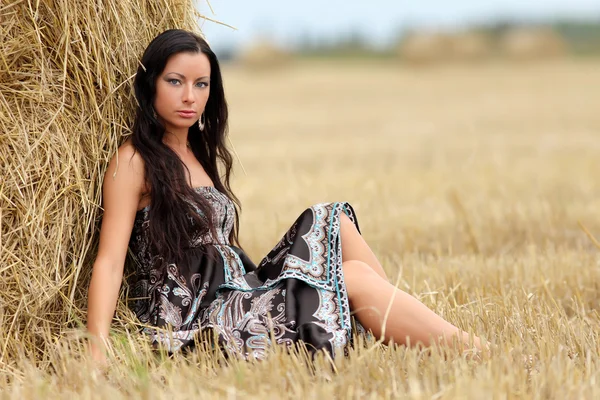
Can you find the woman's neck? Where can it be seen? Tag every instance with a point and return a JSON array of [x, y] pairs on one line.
[[177, 140]]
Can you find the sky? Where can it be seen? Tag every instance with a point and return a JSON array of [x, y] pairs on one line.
[[380, 21]]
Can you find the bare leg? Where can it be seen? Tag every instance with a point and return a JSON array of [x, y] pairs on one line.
[[408, 319], [354, 247], [371, 294]]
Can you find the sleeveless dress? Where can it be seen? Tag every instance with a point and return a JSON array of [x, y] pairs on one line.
[[297, 292]]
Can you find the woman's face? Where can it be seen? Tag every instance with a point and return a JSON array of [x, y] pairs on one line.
[[182, 90]]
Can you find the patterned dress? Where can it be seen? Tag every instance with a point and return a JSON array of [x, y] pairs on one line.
[[297, 292]]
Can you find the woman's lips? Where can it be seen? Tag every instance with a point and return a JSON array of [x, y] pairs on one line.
[[186, 114]]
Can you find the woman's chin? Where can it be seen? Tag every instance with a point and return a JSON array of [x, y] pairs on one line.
[[179, 125]]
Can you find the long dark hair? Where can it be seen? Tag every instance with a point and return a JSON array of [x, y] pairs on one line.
[[173, 200]]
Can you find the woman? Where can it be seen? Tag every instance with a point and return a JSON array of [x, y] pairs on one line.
[[164, 196]]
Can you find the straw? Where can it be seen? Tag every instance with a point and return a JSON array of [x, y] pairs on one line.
[[66, 104]]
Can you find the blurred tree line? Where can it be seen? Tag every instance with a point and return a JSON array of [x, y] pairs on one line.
[[504, 39], [580, 38]]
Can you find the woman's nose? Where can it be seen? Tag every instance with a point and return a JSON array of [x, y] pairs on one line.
[[188, 94]]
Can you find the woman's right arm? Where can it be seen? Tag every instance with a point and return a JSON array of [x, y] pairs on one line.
[[121, 193]]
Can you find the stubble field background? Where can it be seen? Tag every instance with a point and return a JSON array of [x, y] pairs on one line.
[[475, 186]]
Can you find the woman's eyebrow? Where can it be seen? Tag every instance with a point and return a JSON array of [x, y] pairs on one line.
[[183, 76]]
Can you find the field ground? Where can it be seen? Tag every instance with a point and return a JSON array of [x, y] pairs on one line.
[[472, 184]]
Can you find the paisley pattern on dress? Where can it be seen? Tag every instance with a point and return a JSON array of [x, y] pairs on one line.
[[296, 293]]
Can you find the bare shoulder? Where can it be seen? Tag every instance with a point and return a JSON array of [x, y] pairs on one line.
[[126, 155], [126, 166], [124, 177]]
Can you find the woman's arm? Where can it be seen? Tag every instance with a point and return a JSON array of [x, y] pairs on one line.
[[121, 193]]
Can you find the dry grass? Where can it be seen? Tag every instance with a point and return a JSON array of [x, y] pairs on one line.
[[469, 182]]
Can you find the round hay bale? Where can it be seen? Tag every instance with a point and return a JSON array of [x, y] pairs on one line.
[[65, 106], [264, 55], [425, 48], [532, 43], [470, 46]]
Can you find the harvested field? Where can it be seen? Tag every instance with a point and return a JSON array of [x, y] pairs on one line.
[[475, 186]]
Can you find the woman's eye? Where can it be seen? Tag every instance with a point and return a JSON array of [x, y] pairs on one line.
[[173, 81], [202, 84]]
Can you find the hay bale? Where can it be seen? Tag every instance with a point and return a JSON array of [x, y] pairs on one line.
[[263, 54], [425, 48], [65, 104], [470, 46], [532, 43]]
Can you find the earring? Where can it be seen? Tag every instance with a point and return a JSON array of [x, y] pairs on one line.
[[201, 122]]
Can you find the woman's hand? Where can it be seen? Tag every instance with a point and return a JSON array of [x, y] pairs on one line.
[[98, 354]]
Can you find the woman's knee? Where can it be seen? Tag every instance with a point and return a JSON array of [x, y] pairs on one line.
[[347, 227]]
